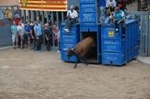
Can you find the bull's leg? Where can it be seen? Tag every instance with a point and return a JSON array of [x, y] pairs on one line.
[[85, 60], [75, 66]]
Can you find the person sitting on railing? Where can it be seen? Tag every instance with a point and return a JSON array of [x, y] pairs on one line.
[[119, 17], [72, 16], [109, 12], [102, 7]]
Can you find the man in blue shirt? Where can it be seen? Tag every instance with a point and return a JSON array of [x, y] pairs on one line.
[[28, 33], [102, 4], [38, 34]]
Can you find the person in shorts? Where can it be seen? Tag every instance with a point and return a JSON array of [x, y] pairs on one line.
[[14, 33], [20, 29], [28, 34]]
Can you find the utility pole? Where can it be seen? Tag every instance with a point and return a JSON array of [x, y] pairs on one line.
[[139, 5]]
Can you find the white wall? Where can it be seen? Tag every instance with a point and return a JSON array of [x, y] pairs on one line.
[[9, 2]]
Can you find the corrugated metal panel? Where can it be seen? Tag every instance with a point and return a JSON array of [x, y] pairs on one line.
[[144, 17], [5, 35]]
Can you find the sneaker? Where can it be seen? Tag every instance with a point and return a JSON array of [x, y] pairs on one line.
[[39, 51], [66, 30], [116, 30]]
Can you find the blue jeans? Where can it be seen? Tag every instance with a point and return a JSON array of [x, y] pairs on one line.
[[39, 43], [107, 20], [69, 22], [102, 14]]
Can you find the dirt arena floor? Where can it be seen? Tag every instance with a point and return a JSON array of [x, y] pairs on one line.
[[25, 74]]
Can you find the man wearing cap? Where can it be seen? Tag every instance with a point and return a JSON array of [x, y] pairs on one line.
[[72, 16]]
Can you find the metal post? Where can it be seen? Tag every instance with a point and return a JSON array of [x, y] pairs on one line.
[[139, 5], [37, 16], [12, 10], [18, 11], [23, 18], [52, 17], [62, 16], [32, 16], [149, 33], [27, 15], [42, 13], [57, 18], [46, 16]]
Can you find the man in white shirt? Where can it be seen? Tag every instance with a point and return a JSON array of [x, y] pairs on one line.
[[72, 16], [20, 29]]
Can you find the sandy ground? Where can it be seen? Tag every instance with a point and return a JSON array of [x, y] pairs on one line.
[[25, 74]]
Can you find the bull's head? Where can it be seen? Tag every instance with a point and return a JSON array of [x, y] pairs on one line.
[[70, 52]]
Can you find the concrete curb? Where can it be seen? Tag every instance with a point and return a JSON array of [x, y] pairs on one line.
[[5, 47], [145, 60]]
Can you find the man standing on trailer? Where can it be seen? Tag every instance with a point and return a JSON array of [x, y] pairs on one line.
[[72, 16]]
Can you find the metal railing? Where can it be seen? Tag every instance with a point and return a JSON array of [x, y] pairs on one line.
[[144, 27]]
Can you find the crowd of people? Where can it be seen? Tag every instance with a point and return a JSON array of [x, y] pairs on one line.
[[32, 35], [110, 11]]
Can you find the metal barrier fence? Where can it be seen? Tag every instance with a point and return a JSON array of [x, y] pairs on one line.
[[5, 35], [54, 18], [6, 13], [144, 18]]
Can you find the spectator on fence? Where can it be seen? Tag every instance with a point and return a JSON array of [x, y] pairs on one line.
[[109, 12], [102, 4], [119, 17], [38, 34], [48, 36], [14, 33], [72, 16], [20, 29]]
